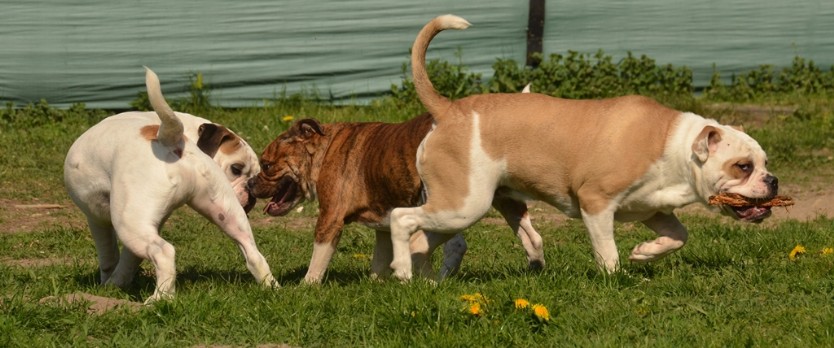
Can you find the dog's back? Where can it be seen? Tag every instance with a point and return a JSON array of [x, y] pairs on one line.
[[374, 162]]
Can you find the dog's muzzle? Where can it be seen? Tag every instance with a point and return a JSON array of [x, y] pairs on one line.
[[286, 196]]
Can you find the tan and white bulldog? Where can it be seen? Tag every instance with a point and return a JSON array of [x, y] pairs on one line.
[[359, 172], [625, 159], [130, 171]]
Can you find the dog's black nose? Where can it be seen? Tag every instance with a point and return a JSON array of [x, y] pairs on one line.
[[772, 182], [251, 183], [250, 203]]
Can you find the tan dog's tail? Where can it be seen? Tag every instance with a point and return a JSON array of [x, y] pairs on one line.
[[434, 102], [171, 130]]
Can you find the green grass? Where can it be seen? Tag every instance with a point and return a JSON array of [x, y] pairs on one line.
[[732, 285]]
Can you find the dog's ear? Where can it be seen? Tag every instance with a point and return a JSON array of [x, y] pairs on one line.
[[526, 88], [706, 143], [307, 127], [211, 137]]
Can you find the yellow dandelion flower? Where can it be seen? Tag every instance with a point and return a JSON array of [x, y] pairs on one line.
[[287, 118], [797, 250], [476, 297], [521, 303], [475, 309], [827, 251], [540, 311]]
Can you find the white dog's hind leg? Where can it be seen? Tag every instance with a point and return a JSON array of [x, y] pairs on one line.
[[142, 239], [515, 213], [126, 269], [162, 255], [107, 247], [673, 236]]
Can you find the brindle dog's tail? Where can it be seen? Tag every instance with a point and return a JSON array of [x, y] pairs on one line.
[[433, 101], [171, 130]]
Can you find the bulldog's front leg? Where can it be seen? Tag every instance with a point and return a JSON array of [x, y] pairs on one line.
[[673, 236], [601, 231], [225, 211], [327, 235]]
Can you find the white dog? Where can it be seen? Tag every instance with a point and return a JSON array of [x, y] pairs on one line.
[[130, 171], [626, 159]]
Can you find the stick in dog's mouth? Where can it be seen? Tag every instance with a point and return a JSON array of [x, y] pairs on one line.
[[749, 209], [284, 199]]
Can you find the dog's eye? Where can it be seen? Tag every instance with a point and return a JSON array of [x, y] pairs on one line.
[[237, 169], [745, 167], [265, 166]]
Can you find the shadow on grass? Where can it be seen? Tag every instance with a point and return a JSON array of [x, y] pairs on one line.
[[141, 284]]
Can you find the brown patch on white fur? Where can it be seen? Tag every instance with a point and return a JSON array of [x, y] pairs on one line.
[[732, 168], [149, 132], [231, 146]]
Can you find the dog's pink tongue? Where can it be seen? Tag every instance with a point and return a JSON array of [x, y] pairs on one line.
[[271, 208], [753, 213]]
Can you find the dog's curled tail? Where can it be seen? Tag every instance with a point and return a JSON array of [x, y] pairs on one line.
[[171, 130], [433, 101]]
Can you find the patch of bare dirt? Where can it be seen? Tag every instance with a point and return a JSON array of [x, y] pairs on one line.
[[40, 262], [27, 216], [96, 305]]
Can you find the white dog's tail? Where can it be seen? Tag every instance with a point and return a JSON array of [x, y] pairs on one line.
[[171, 130], [433, 101]]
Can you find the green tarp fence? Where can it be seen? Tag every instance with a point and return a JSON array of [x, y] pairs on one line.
[[92, 51]]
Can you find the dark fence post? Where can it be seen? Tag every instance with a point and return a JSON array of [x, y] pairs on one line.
[[535, 31]]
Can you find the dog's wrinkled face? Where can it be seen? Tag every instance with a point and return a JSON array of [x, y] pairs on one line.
[[234, 156], [733, 162], [288, 171]]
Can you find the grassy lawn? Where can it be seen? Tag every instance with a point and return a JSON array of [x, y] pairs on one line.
[[732, 285]]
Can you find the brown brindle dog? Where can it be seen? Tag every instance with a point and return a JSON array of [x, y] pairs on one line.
[[359, 172]]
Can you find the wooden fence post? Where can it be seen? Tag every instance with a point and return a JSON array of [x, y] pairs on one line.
[[535, 31]]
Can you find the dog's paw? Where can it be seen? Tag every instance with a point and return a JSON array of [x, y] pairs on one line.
[[404, 276], [654, 250], [271, 283], [159, 296]]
